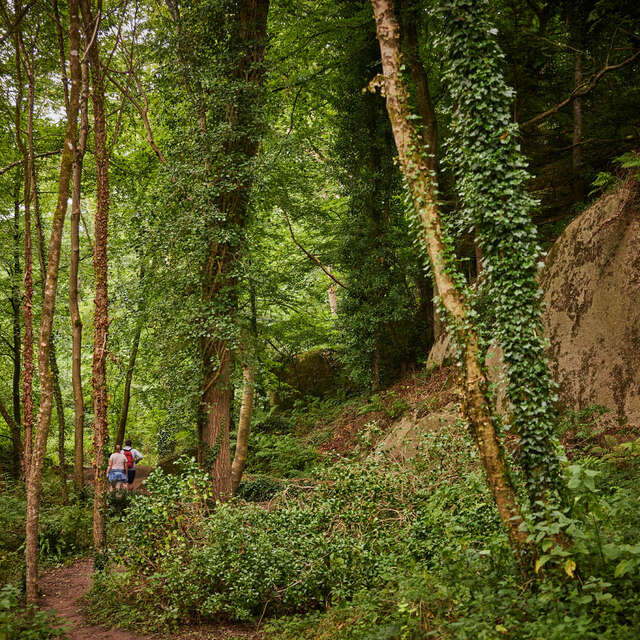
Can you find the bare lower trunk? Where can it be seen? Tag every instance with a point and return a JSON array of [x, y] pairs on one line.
[[101, 308], [122, 423], [422, 185], [217, 397], [57, 394], [74, 309], [34, 477], [244, 427]]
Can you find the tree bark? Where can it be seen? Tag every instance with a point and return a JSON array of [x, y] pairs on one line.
[[27, 343], [244, 427], [218, 280], [576, 156], [333, 296], [423, 188], [14, 428], [74, 309], [122, 423], [34, 477], [15, 307], [55, 371], [101, 301]]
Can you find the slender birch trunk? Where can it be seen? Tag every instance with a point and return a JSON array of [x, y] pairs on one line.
[[17, 356], [126, 397], [74, 309], [55, 371], [423, 188], [244, 427], [36, 463], [27, 343], [101, 308]]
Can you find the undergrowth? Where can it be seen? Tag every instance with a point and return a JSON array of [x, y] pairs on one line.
[[371, 549]]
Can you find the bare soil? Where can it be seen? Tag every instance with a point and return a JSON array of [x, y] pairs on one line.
[[63, 588]]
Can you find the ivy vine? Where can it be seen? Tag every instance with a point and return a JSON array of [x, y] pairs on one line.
[[491, 175]]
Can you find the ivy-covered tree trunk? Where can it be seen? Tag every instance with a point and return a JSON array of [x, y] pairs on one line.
[[36, 463], [491, 180], [219, 282], [101, 300], [423, 188], [27, 342]]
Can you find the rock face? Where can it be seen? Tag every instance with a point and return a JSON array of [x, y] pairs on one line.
[[591, 284]]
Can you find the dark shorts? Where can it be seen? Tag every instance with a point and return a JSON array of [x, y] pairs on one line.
[[131, 474]]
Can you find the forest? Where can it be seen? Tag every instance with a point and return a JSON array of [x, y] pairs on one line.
[[319, 320]]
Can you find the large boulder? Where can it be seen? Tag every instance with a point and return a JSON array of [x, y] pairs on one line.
[[312, 373], [591, 284]]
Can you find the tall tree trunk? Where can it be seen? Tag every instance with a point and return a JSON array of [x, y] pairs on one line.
[[34, 477], [333, 296], [244, 427], [74, 309], [126, 397], [423, 188], [101, 309], [55, 371], [576, 156], [410, 12], [217, 393], [17, 356], [27, 344], [217, 398], [15, 437]]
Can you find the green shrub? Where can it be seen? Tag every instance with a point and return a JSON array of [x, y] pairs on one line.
[[16, 623], [280, 455], [65, 531], [259, 488], [374, 550]]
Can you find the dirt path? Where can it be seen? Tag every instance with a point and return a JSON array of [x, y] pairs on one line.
[[62, 587], [142, 471]]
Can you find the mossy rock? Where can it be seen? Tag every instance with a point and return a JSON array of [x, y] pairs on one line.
[[315, 373]]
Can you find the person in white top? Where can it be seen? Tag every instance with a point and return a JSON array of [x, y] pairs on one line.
[[117, 469], [133, 457]]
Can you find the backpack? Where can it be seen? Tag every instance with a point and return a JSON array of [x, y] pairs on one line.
[[129, 456]]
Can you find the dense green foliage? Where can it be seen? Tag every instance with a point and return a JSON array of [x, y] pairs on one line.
[[268, 177], [380, 550]]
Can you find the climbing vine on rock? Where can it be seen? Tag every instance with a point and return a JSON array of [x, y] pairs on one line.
[[491, 175]]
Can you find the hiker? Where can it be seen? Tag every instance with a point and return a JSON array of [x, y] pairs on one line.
[[133, 457], [117, 469]]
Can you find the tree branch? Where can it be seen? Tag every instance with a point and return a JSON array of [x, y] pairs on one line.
[[310, 255], [21, 161], [582, 90]]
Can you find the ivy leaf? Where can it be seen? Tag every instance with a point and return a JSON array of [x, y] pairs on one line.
[[569, 567]]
